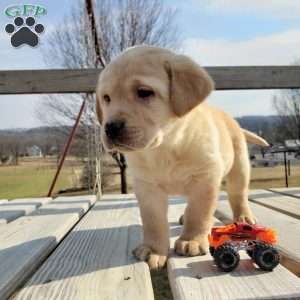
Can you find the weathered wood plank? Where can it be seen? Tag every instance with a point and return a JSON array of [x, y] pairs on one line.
[[294, 191], [285, 204], [26, 242], [198, 277], [287, 228], [113, 197], [255, 77], [94, 261], [84, 80], [14, 209], [48, 81]]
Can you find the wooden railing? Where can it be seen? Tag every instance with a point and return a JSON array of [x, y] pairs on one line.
[[84, 80]]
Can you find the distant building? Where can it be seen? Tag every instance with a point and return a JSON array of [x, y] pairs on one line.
[[34, 151], [276, 154], [292, 144], [53, 150]]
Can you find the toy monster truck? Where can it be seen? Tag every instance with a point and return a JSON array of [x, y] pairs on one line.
[[258, 241]]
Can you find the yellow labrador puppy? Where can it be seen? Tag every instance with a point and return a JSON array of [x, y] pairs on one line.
[[150, 102]]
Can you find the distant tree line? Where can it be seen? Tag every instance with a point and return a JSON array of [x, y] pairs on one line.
[[16, 143], [51, 140]]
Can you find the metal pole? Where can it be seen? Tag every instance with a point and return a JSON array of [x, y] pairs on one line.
[[285, 170], [123, 174], [66, 149], [289, 167]]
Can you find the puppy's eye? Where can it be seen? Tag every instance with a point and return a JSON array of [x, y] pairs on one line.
[[144, 93], [106, 98]]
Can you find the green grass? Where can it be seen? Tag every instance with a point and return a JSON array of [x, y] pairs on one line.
[[161, 286], [268, 177], [30, 180]]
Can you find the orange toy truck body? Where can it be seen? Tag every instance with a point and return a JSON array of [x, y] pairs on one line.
[[241, 231]]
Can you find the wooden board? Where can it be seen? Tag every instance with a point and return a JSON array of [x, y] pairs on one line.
[[26, 242], [113, 197], [198, 277], [285, 204], [84, 80], [48, 81], [287, 228], [14, 209], [94, 261], [294, 192]]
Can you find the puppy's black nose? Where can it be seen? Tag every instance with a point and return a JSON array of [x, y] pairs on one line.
[[114, 129]]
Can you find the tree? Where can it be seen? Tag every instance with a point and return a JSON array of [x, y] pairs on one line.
[[287, 105], [91, 42], [13, 145]]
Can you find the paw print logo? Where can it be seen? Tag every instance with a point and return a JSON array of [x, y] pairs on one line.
[[24, 33]]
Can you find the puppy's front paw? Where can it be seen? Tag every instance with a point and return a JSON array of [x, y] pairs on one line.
[[154, 260], [194, 247], [245, 217]]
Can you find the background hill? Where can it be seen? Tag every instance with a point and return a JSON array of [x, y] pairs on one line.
[[51, 139]]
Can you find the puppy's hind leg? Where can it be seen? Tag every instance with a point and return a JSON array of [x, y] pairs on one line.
[[237, 183]]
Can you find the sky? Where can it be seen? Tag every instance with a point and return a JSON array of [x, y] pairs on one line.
[[213, 32]]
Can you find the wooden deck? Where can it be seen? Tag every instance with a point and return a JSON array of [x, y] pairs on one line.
[[78, 248]]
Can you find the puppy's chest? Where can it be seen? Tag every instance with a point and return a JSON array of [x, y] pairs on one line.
[[169, 170]]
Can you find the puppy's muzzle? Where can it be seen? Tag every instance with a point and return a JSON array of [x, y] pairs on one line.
[[114, 130]]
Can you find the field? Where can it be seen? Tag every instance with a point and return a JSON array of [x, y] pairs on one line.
[[32, 178], [268, 177]]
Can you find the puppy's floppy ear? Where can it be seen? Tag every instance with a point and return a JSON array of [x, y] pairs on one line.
[[98, 109], [189, 83]]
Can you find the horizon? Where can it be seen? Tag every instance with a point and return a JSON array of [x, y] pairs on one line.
[[71, 125]]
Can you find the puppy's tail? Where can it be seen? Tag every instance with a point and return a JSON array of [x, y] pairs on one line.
[[254, 139]]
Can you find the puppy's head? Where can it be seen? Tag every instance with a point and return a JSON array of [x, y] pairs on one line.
[[142, 92]]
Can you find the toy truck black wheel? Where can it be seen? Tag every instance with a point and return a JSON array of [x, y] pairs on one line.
[[250, 253], [226, 258], [211, 250], [250, 249], [266, 256]]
